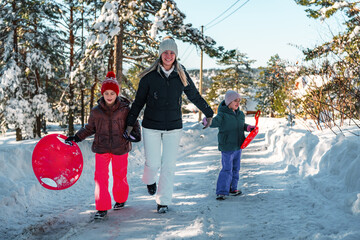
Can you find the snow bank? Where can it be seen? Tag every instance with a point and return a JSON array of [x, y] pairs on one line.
[[21, 194], [331, 163]]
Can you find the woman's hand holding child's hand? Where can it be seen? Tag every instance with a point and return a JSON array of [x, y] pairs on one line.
[[127, 134], [206, 122]]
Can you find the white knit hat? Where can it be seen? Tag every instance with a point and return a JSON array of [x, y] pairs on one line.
[[231, 96], [168, 44]]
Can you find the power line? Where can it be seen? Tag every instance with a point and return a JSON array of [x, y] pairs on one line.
[[228, 15], [184, 53], [223, 12], [187, 56]]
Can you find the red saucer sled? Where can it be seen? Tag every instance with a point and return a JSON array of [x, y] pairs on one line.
[[56, 164], [253, 133]]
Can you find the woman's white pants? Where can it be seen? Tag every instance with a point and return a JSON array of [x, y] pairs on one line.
[[160, 153]]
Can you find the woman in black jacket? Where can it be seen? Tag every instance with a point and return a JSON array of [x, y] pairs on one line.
[[160, 91]]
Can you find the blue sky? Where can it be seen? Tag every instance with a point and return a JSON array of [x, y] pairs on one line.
[[260, 29]]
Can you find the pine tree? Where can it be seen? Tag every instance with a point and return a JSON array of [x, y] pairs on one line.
[[237, 76], [87, 75], [71, 22], [27, 63], [48, 72], [274, 87], [343, 52], [127, 32]]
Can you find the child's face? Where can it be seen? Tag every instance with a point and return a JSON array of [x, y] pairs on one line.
[[234, 104], [110, 97]]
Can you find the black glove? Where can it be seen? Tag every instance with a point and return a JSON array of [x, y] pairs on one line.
[[71, 139], [127, 134], [129, 137]]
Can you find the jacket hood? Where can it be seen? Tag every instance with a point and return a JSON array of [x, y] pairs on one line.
[[225, 109], [120, 102]]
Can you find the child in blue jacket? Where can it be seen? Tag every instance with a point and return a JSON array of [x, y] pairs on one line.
[[231, 123]]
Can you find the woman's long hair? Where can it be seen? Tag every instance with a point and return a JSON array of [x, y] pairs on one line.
[[156, 65]]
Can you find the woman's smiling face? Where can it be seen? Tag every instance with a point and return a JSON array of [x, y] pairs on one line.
[[168, 59]]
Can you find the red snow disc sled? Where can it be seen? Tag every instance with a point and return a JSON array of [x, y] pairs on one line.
[[253, 133], [56, 164]]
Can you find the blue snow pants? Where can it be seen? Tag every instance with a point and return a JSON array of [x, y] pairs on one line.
[[229, 174]]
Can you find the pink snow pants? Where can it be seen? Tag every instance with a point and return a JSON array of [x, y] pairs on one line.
[[120, 188]]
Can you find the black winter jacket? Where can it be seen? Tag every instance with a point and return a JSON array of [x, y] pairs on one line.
[[163, 98]]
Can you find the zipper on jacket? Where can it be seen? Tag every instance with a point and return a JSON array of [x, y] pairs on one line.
[[167, 80], [238, 126]]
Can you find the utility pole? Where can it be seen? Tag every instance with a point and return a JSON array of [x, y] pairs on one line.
[[201, 69]]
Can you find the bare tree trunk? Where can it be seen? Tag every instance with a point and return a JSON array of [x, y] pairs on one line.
[[111, 60], [16, 51], [118, 55], [82, 108], [18, 134], [96, 80], [71, 85], [82, 85], [38, 118], [92, 93]]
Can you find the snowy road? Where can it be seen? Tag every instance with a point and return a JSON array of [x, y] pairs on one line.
[[277, 203]]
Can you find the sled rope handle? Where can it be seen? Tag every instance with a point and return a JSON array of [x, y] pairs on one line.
[[257, 115]]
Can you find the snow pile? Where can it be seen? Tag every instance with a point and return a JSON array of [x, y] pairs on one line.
[[330, 163]]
